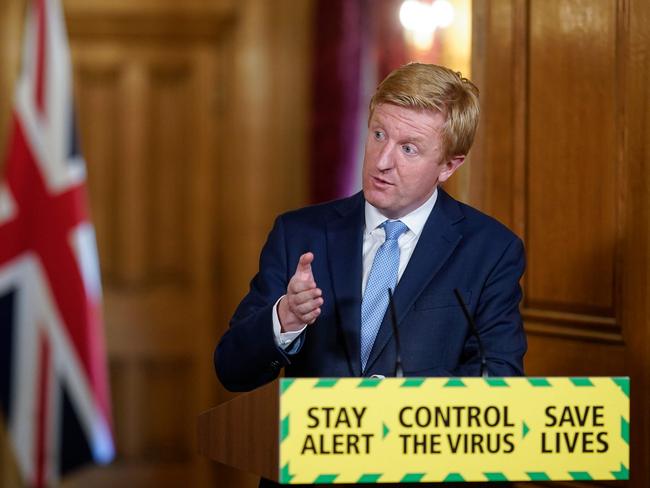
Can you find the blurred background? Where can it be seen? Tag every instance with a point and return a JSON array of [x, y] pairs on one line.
[[201, 120]]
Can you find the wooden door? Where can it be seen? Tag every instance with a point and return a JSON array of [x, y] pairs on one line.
[[562, 158], [149, 79]]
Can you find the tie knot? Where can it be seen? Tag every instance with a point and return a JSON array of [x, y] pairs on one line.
[[394, 229]]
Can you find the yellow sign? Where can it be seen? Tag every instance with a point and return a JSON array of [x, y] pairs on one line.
[[366, 430]]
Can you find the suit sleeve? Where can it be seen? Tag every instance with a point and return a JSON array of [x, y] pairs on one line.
[[498, 319], [247, 355]]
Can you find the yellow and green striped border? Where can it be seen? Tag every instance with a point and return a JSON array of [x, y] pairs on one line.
[[536, 382]]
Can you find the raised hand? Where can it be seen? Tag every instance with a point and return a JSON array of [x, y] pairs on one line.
[[303, 300]]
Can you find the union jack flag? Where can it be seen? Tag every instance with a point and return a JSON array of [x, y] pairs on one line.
[[53, 380]]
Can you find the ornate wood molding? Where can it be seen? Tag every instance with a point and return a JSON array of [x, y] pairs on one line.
[[152, 19]]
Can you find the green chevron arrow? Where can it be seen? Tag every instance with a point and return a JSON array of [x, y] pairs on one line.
[[285, 476]]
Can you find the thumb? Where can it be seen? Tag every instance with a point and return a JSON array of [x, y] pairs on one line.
[[304, 264]]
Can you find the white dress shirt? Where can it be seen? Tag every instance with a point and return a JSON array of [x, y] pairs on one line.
[[373, 237]]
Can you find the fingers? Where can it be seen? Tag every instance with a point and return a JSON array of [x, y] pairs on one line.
[[298, 285], [307, 295], [306, 302], [295, 314], [306, 305], [311, 317]]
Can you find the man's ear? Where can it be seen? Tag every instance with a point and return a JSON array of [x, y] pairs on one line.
[[450, 167]]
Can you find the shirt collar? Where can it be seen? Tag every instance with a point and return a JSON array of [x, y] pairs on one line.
[[414, 220]]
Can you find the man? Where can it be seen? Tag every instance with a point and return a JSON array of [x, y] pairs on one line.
[[318, 305]]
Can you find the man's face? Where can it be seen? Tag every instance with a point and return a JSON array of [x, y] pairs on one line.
[[404, 159]]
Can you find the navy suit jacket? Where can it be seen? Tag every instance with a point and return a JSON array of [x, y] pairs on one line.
[[459, 248]]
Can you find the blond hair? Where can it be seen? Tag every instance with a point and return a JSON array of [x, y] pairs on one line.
[[431, 87]]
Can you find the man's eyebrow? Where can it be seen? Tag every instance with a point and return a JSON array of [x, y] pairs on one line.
[[415, 138]]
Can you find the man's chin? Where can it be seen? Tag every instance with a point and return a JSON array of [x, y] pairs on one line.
[[383, 206], [372, 198]]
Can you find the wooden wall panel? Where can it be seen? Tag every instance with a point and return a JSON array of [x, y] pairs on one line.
[[269, 131], [98, 87], [563, 158], [574, 356], [142, 159], [493, 153], [268, 134], [634, 197], [172, 128], [572, 158]]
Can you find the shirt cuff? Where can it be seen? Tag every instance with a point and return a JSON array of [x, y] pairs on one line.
[[283, 339]]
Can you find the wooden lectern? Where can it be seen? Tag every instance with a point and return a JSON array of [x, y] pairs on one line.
[[404, 430], [244, 432]]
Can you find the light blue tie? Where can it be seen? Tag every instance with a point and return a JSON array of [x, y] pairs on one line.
[[383, 275]]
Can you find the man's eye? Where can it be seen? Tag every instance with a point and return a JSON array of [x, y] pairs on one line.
[[379, 135], [409, 149]]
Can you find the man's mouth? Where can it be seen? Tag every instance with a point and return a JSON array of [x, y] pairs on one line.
[[381, 181]]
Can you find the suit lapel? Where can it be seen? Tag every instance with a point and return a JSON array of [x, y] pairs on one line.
[[345, 248], [437, 242]]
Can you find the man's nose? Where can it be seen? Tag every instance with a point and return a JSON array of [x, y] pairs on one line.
[[385, 159]]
